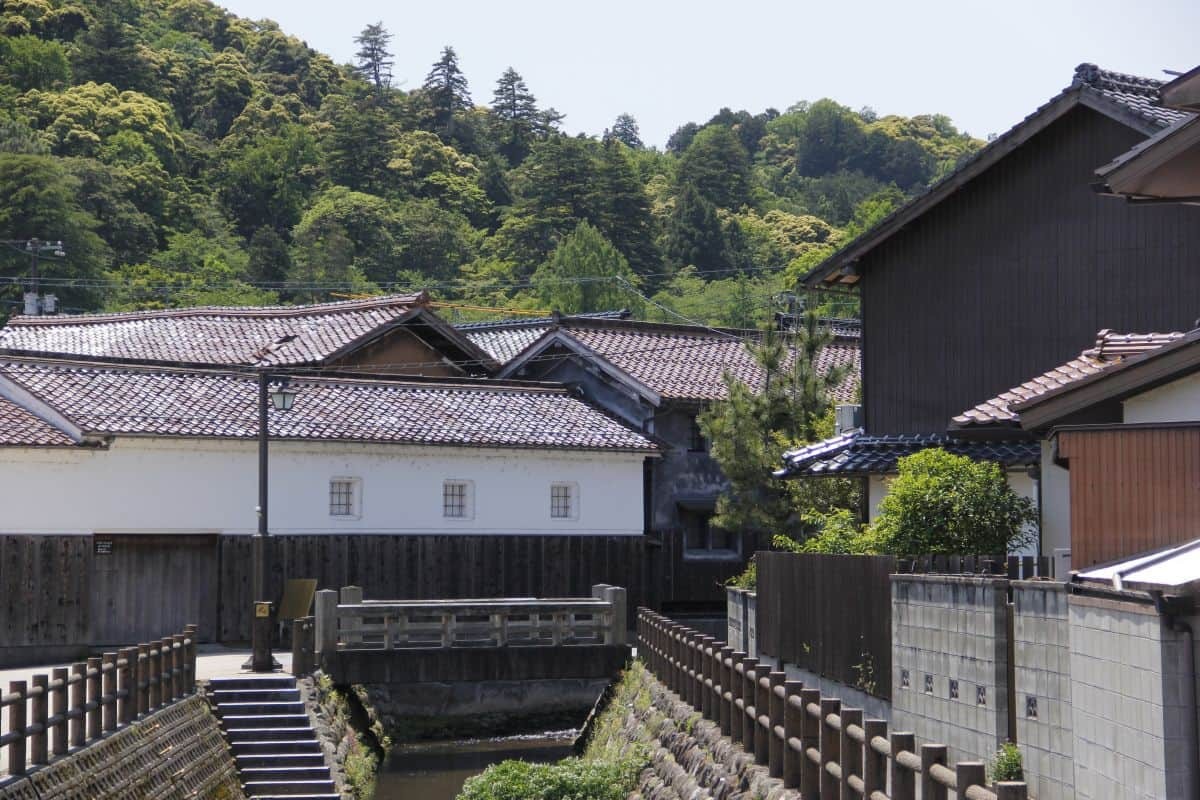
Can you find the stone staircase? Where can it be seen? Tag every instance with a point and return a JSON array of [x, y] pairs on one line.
[[276, 748]]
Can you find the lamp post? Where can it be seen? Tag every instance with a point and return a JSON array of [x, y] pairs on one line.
[[281, 397]]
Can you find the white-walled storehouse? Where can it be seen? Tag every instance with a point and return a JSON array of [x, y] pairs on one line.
[[91, 448]]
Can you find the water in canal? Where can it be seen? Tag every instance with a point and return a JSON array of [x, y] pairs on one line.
[[437, 770]]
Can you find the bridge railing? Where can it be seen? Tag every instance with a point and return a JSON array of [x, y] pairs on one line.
[[812, 742], [73, 707], [346, 621]]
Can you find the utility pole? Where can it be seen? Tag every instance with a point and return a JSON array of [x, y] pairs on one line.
[[35, 303]]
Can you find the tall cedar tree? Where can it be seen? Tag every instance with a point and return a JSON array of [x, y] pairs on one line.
[[515, 111], [447, 92], [622, 209], [716, 164], [625, 130], [693, 234], [584, 273], [750, 431], [374, 59]]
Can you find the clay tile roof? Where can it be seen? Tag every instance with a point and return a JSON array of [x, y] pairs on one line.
[[856, 453], [20, 428], [1138, 95], [688, 362], [504, 339], [1109, 350], [162, 402], [265, 335]]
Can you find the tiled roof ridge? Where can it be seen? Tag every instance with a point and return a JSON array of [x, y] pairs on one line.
[[1113, 345], [1088, 74], [414, 382], [278, 312], [536, 322]]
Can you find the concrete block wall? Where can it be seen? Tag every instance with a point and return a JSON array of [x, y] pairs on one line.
[[951, 632], [1117, 684], [1042, 677]]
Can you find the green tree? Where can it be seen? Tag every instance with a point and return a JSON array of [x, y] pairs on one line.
[[516, 115], [716, 165], [751, 430], [359, 234], [584, 273], [625, 130], [941, 503], [375, 61], [268, 258], [268, 182], [694, 235], [356, 142], [27, 62], [621, 209], [109, 51], [426, 167], [224, 90], [447, 92]]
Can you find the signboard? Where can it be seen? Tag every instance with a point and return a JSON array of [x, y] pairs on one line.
[[102, 545], [262, 609]]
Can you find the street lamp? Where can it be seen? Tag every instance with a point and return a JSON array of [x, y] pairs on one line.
[[282, 397]]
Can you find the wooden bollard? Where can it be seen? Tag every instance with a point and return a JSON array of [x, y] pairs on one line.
[[108, 688], [179, 685], [904, 782], [749, 697], [58, 708], [192, 632], [714, 689], [932, 754], [127, 702], [851, 751], [775, 731], [95, 698], [792, 719], [166, 675], [830, 747], [142, 677], [697, 671], [969, 773], [810, 737], [39, 707], [762, 715], [706, 676], [16, 725], [736, 716], [874, 763], [78, 703], [723, 694], [156, 687], [678, 685]]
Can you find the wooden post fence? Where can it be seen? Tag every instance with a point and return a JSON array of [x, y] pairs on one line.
[[73, 707], [811, 742]]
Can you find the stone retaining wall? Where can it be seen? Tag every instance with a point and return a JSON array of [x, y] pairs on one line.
[[688, 757], [177, 752]]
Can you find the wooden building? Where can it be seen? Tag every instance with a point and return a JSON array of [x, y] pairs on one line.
[[1000, 271]]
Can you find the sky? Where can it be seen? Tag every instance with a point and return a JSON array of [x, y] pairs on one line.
[[667, 62]]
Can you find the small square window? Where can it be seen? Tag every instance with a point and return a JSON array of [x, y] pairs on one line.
[[343, 497], [928, 684], [980, 696], [904, 679], [953, 689], [563, 501], [456, 500], [1031, 706]]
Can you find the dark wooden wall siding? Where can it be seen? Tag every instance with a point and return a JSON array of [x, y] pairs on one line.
[[433, 566], [695, 584], [831, 615], [1131, 491], [1015, 274], [45, 583]]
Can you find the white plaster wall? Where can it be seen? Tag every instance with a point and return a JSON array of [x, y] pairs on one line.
[[177, 485], [1020, 481], [1178, 401]]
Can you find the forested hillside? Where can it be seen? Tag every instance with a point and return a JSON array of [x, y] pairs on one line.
[[186, 156]]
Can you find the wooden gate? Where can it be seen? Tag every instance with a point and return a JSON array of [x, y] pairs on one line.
[[144, 584]]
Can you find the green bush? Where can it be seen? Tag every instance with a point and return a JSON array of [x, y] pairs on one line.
[[570, 779], [1007, 765]]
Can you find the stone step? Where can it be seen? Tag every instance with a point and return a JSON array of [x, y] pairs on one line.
[[252, 682], [275, 747], [288, 788], [288, 734], [284, 774], [274, 759], [221, 696], [273, 707], [237, 722]]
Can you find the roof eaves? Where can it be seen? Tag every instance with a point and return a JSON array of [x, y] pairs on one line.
[[564, 337], [17, 393]]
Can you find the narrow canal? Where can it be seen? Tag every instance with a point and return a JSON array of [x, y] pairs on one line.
[[437, 770]]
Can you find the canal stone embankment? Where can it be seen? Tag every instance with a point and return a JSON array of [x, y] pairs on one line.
[[177, 752]]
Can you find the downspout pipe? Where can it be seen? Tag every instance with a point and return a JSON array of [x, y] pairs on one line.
[[1170, 609]]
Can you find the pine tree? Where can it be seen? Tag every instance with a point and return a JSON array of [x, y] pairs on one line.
[[446, 89], [584, 273], [625, 131], [515, 110], [374, 59]]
